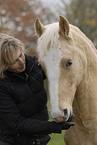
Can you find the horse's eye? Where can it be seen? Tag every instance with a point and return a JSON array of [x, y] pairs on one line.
[[68, 63]]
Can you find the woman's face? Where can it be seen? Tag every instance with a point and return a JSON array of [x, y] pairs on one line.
[[19, 63]]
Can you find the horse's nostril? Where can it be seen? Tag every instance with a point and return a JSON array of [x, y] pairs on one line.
[[65, 113]]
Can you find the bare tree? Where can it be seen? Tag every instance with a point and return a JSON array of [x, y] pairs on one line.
[[17, 18], [83, 13]]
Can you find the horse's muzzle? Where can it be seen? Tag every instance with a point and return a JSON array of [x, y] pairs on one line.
[[66, 117]]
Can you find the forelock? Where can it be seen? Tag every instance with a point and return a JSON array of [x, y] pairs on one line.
[[45, 41]]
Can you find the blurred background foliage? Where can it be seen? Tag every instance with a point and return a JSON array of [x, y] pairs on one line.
[[17, 18], [83, 13]]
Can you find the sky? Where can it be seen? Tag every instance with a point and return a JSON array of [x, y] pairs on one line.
[[53, 5], [50, 3]]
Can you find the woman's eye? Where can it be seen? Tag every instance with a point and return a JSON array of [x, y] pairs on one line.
[[68, 63], [14, 62], [20, 55]]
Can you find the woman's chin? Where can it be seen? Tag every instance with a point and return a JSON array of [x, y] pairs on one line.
[[21, 69]]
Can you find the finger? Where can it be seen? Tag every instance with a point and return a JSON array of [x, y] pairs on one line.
[[69, 123]]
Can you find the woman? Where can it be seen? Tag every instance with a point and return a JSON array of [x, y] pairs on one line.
[[23, 100]]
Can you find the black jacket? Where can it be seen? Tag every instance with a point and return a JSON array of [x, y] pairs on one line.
[[23, 109]]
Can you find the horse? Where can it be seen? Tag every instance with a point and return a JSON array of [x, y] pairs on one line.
[[69, 60]]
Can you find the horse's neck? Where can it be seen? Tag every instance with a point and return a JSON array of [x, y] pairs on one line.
[[86, 95]]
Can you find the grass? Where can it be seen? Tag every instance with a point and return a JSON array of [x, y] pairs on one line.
[[56, 139]]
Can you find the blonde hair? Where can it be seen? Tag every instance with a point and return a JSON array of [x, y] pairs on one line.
[[8, 46]]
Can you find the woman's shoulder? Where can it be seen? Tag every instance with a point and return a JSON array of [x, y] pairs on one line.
[[3, 83], [2, 80]]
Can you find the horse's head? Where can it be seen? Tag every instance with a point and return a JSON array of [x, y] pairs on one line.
[[62, 65]]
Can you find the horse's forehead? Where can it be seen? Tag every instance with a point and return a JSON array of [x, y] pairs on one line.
[[50, 46], [52, 59]]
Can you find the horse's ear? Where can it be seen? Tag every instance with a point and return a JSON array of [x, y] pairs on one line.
[[39, 27], [64, 27]]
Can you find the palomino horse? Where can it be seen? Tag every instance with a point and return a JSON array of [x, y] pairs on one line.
[[69, 60]]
